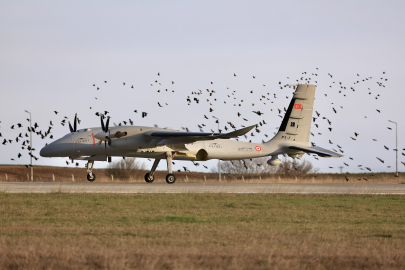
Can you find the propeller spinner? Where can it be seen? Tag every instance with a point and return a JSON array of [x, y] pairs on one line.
[[105, 134]]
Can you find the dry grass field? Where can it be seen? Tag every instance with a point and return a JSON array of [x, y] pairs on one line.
[[64, 174], [201, 231]]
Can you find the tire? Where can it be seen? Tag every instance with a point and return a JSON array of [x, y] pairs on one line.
[[170, 178], [91, 179], [149, 178]]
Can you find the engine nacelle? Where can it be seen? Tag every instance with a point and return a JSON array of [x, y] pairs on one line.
[[274, 161]]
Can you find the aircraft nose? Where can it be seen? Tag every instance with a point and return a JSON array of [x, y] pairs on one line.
[[60, 148], [46, 151]]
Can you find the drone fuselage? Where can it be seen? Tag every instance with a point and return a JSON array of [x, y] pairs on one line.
[[136, 143]]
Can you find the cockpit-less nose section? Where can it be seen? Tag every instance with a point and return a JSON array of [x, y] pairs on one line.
[[99, 144]]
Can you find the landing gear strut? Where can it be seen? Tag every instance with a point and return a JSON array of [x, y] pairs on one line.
[[90, 175], [170, 178]]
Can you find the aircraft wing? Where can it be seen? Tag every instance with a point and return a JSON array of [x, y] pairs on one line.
[[163, 137], [317, 150]]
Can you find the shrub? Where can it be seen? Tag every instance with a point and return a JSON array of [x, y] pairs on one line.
[[127, 169]]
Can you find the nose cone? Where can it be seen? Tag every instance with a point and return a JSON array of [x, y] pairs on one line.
[[44, 152], [48, 151], [59, 148], [102, 136]]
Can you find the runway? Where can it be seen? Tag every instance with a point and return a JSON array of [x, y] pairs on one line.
[[65, 187]]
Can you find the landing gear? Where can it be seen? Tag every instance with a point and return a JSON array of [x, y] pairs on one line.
[[149, 177], [90, 175], [170, 178]]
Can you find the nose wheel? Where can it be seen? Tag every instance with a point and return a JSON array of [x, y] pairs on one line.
[[91, 177]]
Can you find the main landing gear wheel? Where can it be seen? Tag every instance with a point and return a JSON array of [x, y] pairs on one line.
[[91, 177], [170, 179], [149, 178]]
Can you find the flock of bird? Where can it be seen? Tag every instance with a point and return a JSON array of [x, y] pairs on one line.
[[216, 99]]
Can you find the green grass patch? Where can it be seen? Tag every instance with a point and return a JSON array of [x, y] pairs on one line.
[[204, 231]]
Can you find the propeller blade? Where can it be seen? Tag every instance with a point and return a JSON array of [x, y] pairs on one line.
[[70, 127], [106, 125], [102, 123], [75, 123]]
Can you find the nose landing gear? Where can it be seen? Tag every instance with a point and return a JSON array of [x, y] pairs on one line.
[[90, 175]]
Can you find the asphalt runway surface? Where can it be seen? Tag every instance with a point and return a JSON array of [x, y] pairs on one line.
[[66, 187]]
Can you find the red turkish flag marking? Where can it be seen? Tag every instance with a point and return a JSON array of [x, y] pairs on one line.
[[258, 148], [298, 106]]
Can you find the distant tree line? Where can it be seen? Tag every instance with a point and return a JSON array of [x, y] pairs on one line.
[[259, 166]]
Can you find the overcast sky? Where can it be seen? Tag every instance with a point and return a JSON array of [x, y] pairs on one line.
[[52, 52]]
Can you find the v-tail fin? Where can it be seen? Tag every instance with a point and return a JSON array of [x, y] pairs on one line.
[[296, 124]]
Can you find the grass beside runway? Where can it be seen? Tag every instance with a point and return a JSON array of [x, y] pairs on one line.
[[201, 231]]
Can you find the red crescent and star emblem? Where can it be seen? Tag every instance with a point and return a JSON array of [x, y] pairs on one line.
[[258, 148], [298, 106]]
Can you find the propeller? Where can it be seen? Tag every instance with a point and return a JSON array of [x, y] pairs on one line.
[[104, 135], [74, 125], [104, 128]]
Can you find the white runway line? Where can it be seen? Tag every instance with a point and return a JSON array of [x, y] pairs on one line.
[[64, 187]]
